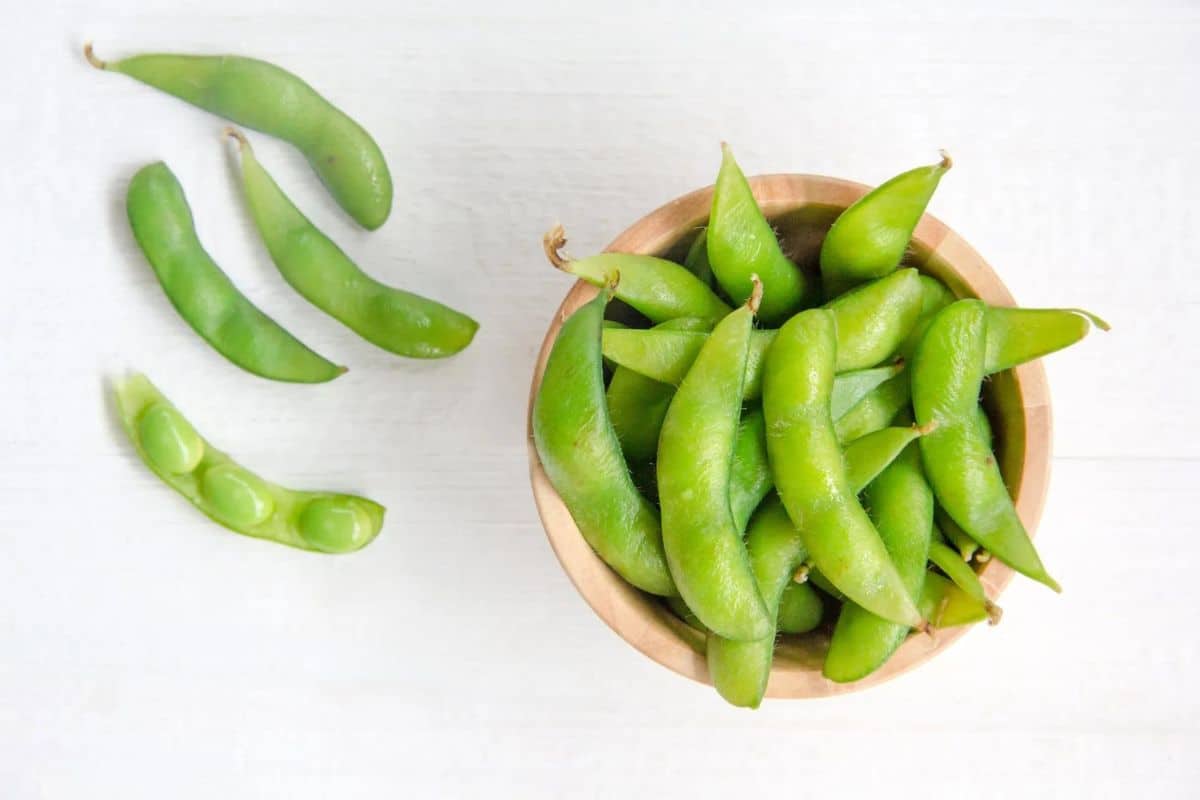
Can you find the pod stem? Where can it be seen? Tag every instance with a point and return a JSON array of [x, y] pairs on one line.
[[947, 161], [994, 612], [1095, 320], [927, 428], [554, 241], [801, 574], [981, 557], [91, 57], [756, 293], [237, 136]]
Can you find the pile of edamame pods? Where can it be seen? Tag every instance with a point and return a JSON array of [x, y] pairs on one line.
[[264, 97], [776, 450]]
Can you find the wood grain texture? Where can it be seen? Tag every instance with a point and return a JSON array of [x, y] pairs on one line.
[[1019, 402]]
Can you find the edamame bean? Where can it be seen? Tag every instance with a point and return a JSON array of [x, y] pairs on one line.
[[582, 457], [398, 321], [901, 506], [869, 238], [1017, 335], [960, 572], [741, 243], [266, 98], [874, 319], [947, 374], [659, 289], [800, 608], [810, 471], [203, 295], [947, 606], [740, 669], [696, 259], [229, 493], [695, 452]]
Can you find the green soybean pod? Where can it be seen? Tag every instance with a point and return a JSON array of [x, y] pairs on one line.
[[800, 608], [947, 606], [869, 238], [266, 98], [703, 543], [203, 294], [1017, 335], [947, 374], [960, 572], [810, 470], [876, 410], [395, 320], [582, 457], [901, 505], [659, 289], [741, 243], [740, 669], [874, 319], [965, 545], [232, 495]]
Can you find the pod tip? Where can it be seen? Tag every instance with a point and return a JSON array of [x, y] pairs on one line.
[[927, 428], [947, 161], [801, 574], [994, 612], [614, 278], [552, 242], [236, 135], [756, 294], [91, 57]]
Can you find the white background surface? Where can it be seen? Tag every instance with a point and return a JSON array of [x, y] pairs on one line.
[[146, 653]]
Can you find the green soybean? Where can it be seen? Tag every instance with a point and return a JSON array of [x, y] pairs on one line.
[[741, 243], [582, 456], [947, 373], [810, 471], [960, 572], [230, 494], [203, 295], [266, 98], [874, 319], [695, 453], [1017, 335], [901, 506], [395, 320], [868, 239], [659, 289]]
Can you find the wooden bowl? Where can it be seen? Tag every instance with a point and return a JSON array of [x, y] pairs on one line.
[[801, 207]]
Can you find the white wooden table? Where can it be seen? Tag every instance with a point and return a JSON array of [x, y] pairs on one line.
[[145, 653]]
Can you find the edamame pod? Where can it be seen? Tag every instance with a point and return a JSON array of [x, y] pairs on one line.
[[266, 98], [874, 319], [947, 374], [874, 411], [398, 321], [947, 606], [695, 452], [810, 471], [965, 545], [740, 669], [582, 457], [203, 295], [800, 608], [1017, 335], [868, 456], [960, 572], [869, 238], [901, 505], [659, 289], [230, 494], [741, 243]]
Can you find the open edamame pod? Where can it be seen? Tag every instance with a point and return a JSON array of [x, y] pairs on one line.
[[741, 243], [695, 452], [203, 294], [230, 494], [657, 288], [947, 373], [267, 98], [740, 669], [398, 321], [959, 571], [810, 471], [582, 457], [901, 505], [869, 238]]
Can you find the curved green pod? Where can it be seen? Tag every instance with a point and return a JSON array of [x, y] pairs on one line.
[[874, 319], [800, 608], [964, 544], [582, 456], [810, 470], [741, 243], [947, 606], [901, 506], [203, 294], [947, 374], [868, 239], [703, 543], [272, 100], [326, 522], [397, 321], [950, 562], [659, 289], [1017, 335], [740, 669]]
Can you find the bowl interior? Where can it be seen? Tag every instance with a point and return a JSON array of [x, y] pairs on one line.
[[801, 208]]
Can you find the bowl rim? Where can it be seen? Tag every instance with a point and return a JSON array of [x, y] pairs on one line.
[[642, 621]]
